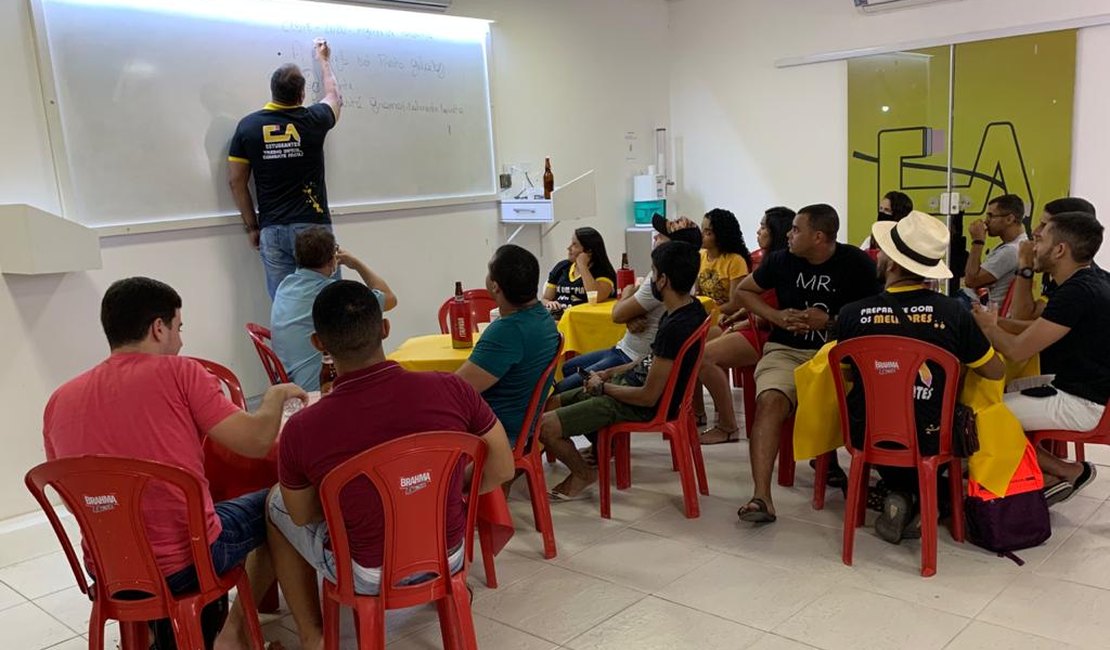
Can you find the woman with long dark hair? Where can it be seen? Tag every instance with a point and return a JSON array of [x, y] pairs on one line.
[[725, 259], [587, 268], [737, 347]]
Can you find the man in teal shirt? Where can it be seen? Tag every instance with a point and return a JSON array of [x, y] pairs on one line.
[[514, 350], [291, 327]]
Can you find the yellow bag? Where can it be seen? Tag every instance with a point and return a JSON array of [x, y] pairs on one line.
[[1001, 439], [817, 419]]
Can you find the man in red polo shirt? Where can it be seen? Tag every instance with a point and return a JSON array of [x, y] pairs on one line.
[[145, 402], [373, 401]]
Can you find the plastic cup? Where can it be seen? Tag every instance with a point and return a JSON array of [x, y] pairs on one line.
[[591, 296]]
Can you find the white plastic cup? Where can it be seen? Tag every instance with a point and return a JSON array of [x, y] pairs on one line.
[[494, 314], [482, 327], [591, 296]]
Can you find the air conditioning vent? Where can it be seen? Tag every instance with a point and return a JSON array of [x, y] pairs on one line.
[[874, 6], [418, 5]]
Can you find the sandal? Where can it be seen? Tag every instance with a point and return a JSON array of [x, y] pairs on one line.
[[1083, 480], [729, 436], [1058, 492], [756, 511]]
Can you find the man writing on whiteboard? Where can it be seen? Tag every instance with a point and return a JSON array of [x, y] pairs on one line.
[[283, 146]]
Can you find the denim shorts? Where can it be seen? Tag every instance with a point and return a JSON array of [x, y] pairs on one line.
[[244, 529], [312, 540]]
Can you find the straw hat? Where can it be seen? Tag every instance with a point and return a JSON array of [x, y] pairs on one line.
[[917, 243]]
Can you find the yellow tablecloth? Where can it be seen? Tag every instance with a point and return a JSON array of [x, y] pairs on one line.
[[431, 352], [590, 327], [1001, 439]]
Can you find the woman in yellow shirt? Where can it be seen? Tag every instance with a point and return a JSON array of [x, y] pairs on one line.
[[725, 261]]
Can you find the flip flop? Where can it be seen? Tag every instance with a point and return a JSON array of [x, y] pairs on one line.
[[1058, 492], [1086, 477], [560, 497], [760, 514], [730, 436]]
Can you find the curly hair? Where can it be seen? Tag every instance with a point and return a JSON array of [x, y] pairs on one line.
[[726, 231]]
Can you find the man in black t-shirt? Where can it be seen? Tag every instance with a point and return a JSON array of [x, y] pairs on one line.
[[910, 251], [1024, 307], [813, 280], [1073, 330], [283, 146], [630, 393]]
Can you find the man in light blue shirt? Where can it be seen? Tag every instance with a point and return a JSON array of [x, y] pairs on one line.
[[317, 257]]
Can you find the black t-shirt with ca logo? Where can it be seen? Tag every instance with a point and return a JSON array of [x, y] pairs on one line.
[[927, 316], [285, 149]]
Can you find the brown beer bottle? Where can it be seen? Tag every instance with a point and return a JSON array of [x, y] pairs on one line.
[[548, 179], [327, 374]]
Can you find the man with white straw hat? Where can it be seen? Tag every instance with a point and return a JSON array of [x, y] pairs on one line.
[[911, 251]]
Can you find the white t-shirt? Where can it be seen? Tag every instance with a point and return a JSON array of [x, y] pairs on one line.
[[637, 346]]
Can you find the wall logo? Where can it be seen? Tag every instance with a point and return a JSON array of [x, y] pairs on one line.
[[415, 483], [101, 503]]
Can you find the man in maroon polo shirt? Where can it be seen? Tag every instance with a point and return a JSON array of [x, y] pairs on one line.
[[374, 401]]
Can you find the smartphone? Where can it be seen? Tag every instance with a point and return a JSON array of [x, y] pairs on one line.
[[584, 374]]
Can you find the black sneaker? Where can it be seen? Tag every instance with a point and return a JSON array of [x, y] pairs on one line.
[[895, 516]]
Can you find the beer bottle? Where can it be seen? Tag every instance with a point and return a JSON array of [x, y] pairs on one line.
[[548, 179]]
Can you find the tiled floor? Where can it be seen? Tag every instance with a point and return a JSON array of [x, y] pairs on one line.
[[650, 578]]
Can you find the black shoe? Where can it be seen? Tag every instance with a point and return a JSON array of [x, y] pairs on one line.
[[895, 517]]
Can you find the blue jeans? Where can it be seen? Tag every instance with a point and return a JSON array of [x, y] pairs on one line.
[[244, 529], [593, 361], [275, 247]]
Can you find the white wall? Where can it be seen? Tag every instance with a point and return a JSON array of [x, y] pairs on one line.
[[750, 135], [558, 71]]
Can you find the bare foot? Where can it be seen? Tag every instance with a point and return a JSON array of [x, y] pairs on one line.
[[572, 486]]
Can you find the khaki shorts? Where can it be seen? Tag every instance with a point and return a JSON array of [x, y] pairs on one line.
[[775, 370]]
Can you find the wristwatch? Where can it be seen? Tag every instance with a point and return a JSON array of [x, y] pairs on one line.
[[1026, 272]]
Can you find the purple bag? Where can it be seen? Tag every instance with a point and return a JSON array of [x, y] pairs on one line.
[[1008, 524]]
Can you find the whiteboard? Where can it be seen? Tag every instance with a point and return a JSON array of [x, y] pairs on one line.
[[143, 97]]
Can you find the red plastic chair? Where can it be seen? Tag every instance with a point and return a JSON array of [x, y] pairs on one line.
[[1100, 435], [890, 422], [528, 457], [481, 303], [231, 475], [260, 337], [415, 536], [104, 494], [681, 432]]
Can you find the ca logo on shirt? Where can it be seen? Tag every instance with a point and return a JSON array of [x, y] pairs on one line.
[[275, 133]]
